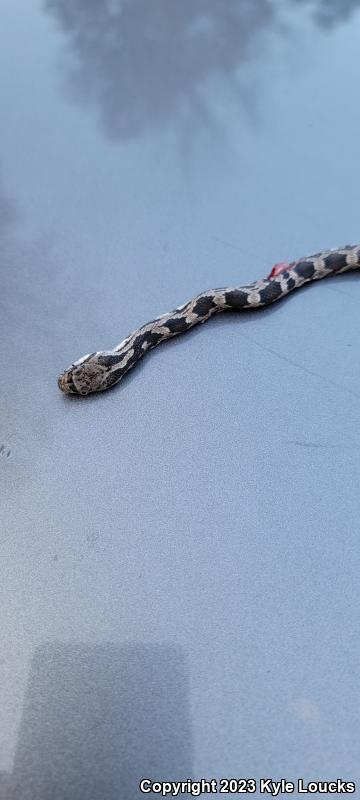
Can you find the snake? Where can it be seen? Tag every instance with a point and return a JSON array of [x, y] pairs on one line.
[[98, 371]]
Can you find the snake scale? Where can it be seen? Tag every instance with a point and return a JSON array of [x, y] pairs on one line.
[[98, 371]]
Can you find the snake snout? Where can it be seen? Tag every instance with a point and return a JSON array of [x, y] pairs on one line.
[[65, 382]]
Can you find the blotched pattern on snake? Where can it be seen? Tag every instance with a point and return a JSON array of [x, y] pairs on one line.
[[98, 371]]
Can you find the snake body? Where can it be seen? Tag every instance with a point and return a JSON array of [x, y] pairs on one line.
[[96, 372]]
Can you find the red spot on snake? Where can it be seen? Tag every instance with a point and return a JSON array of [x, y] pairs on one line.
[[281, 266]]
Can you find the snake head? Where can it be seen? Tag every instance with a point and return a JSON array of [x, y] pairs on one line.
[[85, 376]]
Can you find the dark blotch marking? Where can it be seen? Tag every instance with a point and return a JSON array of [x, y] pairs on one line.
[[305, 269], [236, 298], [110, 360], [153, 338], [335, 261], [203, 305], [117, 374], [290, 283], [272, 291], [177, 325]]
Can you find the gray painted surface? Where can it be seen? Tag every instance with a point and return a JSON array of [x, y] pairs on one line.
[[179, 556]]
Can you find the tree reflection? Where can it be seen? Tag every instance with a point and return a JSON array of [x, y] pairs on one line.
[[330, 12], [144, 62]]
